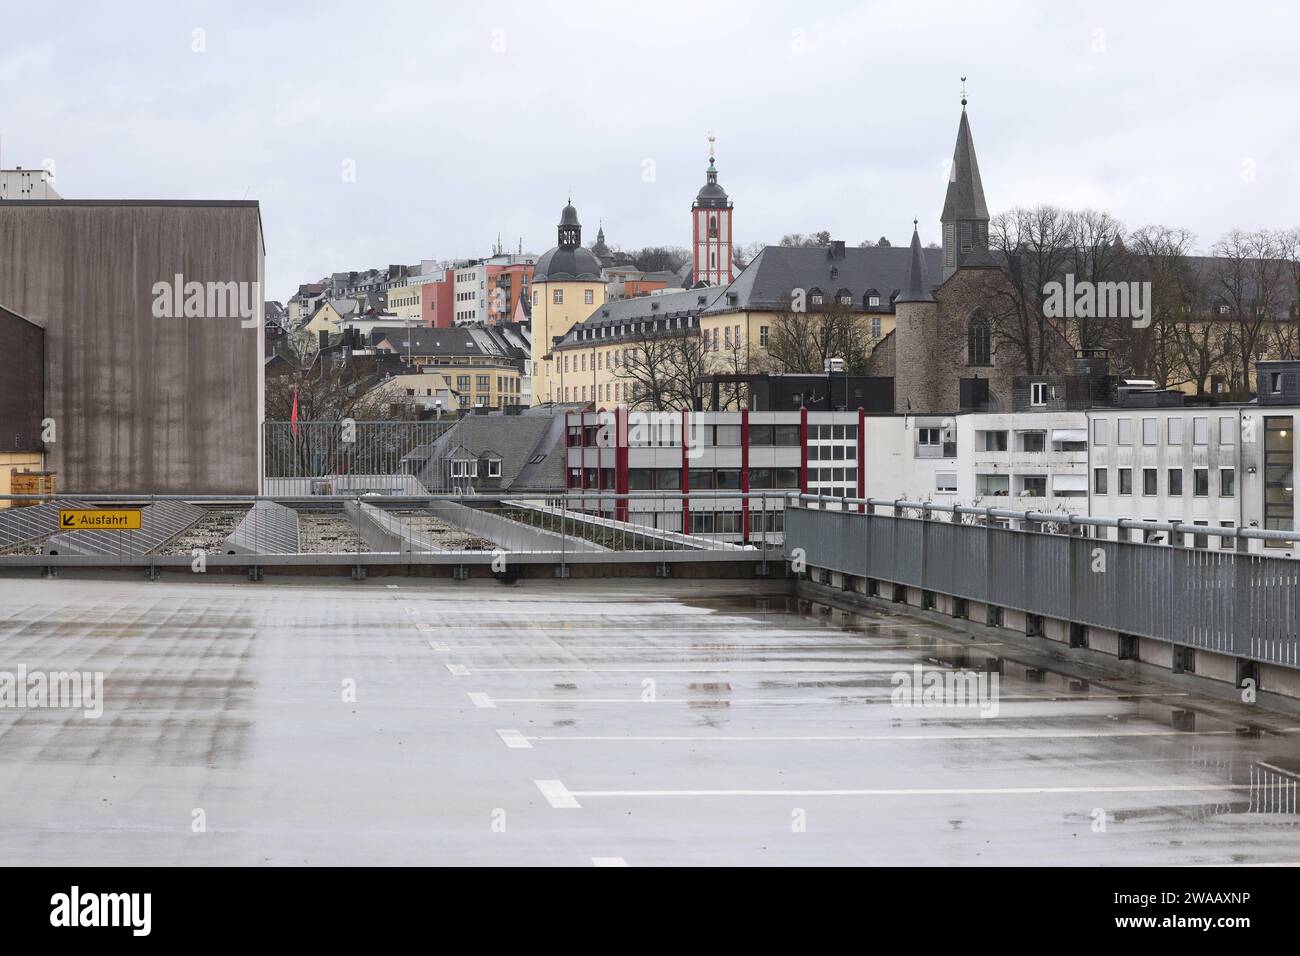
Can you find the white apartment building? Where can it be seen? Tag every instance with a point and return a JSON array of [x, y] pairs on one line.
[[470, 293], [1024, 461], [1224, 466]]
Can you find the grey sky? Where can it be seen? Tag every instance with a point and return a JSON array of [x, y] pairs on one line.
[[834, 116]]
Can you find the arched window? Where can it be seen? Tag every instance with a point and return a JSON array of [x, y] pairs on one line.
[[979, 341], [713, 227]]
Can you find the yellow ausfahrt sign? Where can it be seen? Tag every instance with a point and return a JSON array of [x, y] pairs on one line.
[[99, 519]]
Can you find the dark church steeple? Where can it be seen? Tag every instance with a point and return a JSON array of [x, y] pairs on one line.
[[965, 217], [918, 287]]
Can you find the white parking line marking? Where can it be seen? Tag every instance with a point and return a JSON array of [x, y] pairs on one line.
[[391, 586], [911, 792], [412, 610], [718, 669], [608, 861], [423, 627], [440, 647], [1011, 735], [458, 670], [514, 740], [482, 701], [847, 698], [557, 795]]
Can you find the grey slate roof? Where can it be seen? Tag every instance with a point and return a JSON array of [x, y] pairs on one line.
[[614, 319], [768, 280], [516, 439], [465, 340]]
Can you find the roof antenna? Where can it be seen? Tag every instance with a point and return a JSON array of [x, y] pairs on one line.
[[963, 94]]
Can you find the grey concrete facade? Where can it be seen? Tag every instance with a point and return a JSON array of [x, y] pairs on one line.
[[141, 403]]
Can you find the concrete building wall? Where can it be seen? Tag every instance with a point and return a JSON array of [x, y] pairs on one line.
[[22, 383], [141, 404]]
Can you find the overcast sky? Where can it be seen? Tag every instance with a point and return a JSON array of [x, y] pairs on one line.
[[468, 120]]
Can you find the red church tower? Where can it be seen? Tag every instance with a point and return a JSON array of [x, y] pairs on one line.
[[711, 226]]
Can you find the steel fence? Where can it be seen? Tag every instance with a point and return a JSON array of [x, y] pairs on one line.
[[309, 458], [1228, 601]]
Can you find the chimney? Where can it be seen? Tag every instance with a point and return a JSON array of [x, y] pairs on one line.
[[323, 340], [837, 249]]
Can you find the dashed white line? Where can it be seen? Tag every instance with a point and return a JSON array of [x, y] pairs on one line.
[[514, 740], [557, 795], [440, 647], [572, 795], [482, 701], [1010, 735], [458, 670]]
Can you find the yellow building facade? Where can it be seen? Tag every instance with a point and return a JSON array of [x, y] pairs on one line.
[[567, 287]]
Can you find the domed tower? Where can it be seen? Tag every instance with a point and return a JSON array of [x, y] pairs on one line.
[[711, 230], [567, 287]]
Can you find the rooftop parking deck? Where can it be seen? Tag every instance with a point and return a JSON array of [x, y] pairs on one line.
[[644, 722]]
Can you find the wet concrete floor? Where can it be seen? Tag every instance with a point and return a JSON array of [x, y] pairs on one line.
[[399, 721]]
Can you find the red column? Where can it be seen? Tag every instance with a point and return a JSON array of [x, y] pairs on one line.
[[686, 471], [862, 456], [744, 473], [620, 461], [803, 449], [582, 454], [568, 465]]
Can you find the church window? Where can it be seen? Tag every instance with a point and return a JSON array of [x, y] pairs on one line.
[[979, 341], [557, 297], [713, 227], [967, 242]]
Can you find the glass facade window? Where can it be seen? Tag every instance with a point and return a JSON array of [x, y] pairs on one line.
[[1279, 477]]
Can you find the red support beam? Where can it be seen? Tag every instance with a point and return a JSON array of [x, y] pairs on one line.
[[803, 449], [744, 474], [620, 461], [686, 471], [862, 456]]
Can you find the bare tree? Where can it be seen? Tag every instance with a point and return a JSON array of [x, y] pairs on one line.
[[659, 258], [815, 239], [1097, 254], [1168, 350], [1032, 248], [802, 340], [1247, 282], [662, 367], [327, 389]]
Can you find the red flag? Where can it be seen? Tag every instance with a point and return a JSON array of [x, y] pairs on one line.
[[293, 416]]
